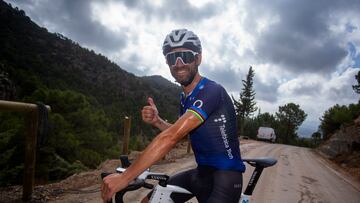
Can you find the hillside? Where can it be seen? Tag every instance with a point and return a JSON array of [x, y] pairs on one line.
[[30, 51], [89, 96], [343, 147]]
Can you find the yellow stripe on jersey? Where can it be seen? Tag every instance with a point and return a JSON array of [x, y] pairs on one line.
[[196, 114]]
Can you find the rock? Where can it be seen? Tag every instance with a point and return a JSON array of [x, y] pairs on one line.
[[345, 140], [357, 121], [7, 88]]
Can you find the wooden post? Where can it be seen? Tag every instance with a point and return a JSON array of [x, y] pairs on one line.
[[127, 126], [32, 120], [18, 106]]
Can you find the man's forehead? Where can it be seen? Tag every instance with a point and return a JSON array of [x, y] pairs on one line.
[[180, 49]]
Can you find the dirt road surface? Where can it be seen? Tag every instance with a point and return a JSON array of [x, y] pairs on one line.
[[300, 176]]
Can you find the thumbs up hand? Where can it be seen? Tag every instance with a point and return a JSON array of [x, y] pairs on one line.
[[149, 113]]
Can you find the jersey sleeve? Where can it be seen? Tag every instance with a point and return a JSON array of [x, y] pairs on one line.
[[207, 101]]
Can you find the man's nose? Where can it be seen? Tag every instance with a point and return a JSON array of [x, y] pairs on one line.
[[179, 62]]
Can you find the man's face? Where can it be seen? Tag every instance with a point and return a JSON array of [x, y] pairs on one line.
[[184, 73]]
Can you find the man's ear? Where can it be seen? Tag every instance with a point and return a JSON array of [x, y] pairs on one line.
[[198, 59]]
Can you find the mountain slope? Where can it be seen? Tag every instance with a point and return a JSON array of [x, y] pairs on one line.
[[343, 147], [60, 63], [89, 96]]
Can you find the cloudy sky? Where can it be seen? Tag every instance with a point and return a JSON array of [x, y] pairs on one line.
[[305, 52]]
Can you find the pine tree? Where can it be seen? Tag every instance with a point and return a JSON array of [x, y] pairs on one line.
[[246, 104], [357, 87]]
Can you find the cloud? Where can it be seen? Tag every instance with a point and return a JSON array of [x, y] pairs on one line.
[[315, 94], [173, 10], [297, 55], [320, 91], [232, 80], [339, 87], [229, 78], [307, 84], [74, 20], [266, 92], [299, 37], [184, 12]]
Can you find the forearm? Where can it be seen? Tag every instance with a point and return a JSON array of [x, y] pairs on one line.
[[162, 125], [157, 149], [161, 145]]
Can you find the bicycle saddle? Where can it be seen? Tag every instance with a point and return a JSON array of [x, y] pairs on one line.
[[261, 161]]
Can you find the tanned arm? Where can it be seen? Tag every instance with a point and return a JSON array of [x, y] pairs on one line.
[[156, 150], [162, 125]]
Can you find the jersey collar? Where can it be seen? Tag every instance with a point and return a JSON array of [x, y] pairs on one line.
[[194, 92]]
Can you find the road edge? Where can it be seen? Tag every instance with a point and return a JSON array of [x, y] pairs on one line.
[[337, 170]]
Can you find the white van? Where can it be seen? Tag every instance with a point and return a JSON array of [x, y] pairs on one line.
[[266, 133]]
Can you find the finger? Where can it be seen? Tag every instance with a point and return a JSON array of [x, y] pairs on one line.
[[148, 109], [147, 113], [105, 189], [109, 196], [103, 192], [151, 102]]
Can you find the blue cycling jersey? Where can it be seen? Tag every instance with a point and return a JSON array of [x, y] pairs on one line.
[[214, 142]]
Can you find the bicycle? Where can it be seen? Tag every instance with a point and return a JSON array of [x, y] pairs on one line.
[[162, 192]]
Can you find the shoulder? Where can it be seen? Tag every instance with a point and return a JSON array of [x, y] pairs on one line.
[[213, 88]]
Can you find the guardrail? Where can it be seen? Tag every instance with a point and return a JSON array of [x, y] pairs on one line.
[[31, 122]]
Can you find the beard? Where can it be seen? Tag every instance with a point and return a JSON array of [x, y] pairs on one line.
[[186, 80]]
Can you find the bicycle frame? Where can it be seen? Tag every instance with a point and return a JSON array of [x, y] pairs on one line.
[[162, 191], [163, 194]]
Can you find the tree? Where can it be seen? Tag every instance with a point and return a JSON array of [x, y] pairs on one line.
[[316, 137], [245, 106], [336, 116], [290, 117], [357, 87], [266, 119]]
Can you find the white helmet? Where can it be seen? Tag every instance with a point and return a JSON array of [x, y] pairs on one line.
[[181, 38]]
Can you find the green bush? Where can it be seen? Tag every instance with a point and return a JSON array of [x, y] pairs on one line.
[[337, 116]]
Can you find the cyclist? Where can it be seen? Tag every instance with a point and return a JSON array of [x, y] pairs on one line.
[[208, 115]]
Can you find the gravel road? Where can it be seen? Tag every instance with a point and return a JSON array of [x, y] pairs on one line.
[[299, 176]]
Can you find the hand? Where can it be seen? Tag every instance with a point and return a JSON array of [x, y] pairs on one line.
[[112, 184], [149, 113]]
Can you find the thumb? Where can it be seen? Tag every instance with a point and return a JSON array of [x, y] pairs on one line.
[[151, 102]]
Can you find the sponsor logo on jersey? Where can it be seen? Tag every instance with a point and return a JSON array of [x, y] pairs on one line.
[[224, 136], [198, 103], [221, 119]]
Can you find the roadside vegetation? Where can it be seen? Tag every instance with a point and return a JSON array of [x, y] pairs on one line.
[[289, 117]]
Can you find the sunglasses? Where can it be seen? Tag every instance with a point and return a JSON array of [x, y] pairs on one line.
[[186, 57]]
